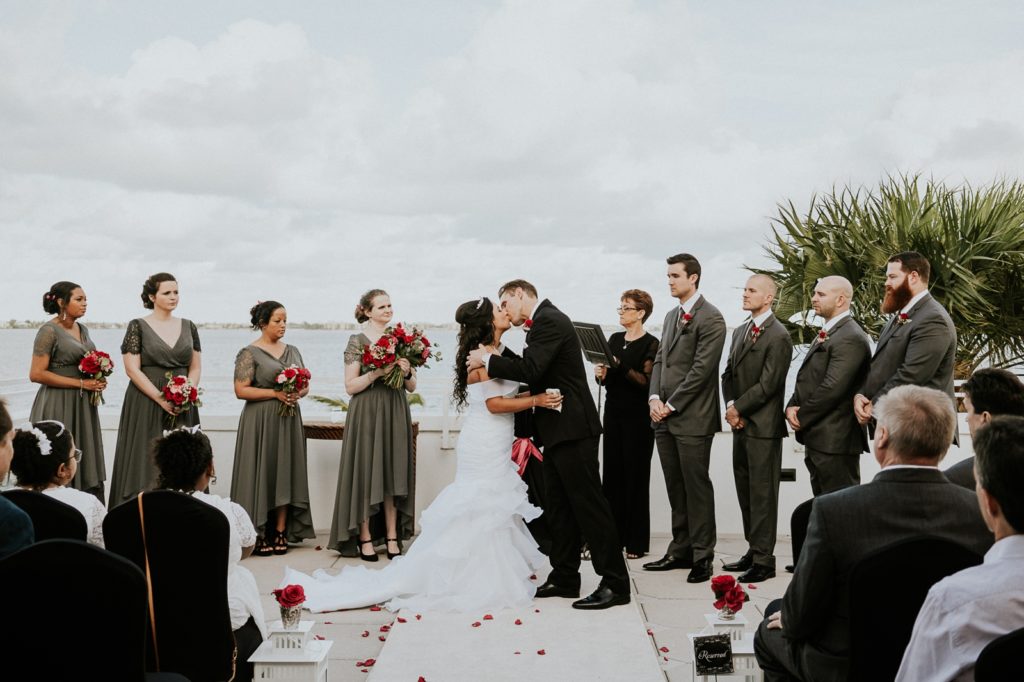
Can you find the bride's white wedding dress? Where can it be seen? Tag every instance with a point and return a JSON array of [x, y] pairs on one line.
[[474, 551]]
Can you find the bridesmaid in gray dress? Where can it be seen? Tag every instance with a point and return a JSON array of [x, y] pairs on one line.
[[269, 479], [153, 346], [63, 392], [375, 502]]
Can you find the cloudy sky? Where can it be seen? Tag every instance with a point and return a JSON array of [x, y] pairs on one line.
[[309, 151]]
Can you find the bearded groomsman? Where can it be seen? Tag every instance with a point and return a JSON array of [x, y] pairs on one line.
[[918, 345], [686, 415], [754, 385], [834, 368]]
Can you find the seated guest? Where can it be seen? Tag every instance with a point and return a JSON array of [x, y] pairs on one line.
[[809, 638], [45, 460], [969, 609], [184, 459], [15, 525], [988, 393]]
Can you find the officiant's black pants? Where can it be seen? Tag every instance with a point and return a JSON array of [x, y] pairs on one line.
[[576, 506]]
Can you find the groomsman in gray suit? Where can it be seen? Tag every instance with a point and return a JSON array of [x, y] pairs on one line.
[[754, 385], [686, 415], [834, 368], [918, 345]]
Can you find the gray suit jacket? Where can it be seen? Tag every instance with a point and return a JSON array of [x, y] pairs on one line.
[[849, 524], [962, 473], [829, 377], [755, 377], [686, 367], [921, 352]]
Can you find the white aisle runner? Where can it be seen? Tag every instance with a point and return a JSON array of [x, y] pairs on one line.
[[550, 641]]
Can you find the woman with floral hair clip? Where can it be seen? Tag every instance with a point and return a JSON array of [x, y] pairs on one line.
[[46, 461]]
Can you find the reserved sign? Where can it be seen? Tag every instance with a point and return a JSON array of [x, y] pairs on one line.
[[712, 654]]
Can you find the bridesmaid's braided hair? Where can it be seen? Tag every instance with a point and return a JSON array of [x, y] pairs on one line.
[[181, 456], [34, 469], [476, 326], [60, 291], [152, 285], [261, 313]]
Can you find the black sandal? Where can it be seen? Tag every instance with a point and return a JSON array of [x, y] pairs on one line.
[[262, 548], [398, 553], [367, 557], [280, 544]]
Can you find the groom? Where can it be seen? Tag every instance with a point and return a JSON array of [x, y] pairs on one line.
[[552, 358]]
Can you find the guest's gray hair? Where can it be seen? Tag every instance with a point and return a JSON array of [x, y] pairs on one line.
[[920, 422]]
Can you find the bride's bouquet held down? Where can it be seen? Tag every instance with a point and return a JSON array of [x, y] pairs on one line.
[[96, 365], [291, 380], [182, 394], [397, 343]]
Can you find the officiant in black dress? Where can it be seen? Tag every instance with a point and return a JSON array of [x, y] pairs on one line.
[[628, 437]]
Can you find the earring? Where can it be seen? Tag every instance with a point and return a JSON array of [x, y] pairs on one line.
[[63, 315], [213, 480]]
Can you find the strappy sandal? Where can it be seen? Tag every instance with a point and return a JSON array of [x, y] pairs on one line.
[[398, 553], [367, 557], [585, 552], [280, 544], [262, 548]]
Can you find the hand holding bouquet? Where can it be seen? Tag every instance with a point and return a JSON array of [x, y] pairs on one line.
[[182, 394], [291, 380], [96, 365], [398, 343]]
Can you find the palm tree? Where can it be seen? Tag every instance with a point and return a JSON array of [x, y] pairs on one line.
[[974, 239]]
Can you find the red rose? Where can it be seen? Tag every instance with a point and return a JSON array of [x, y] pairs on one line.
[[290, 595], [179, 380], [289, 373], [721, 584], [687, 317], [193, 394], [822, 335]]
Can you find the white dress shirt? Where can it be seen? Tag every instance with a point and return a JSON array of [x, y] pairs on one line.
[[830, 325], [684, 309], [963, 613], [912, 302]]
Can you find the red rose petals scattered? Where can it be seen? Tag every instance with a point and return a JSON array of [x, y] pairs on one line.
[[518, 652], [541, 652], [328, 622], [518, 622], [533, 577], [320, 637], [368, 663], [488, 616], [402, 620], [418, 616], [663, 649], [366, 633], [650, 632], [385, 628], [382, 638], [375, 608], [476, 624], [536, 610], [751, 586], [665, 657], [318, 548], [421, 679]]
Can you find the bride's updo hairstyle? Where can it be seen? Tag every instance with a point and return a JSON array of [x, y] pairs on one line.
[[365, 304], [476, 326]]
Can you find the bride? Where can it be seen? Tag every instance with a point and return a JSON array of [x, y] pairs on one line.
[[474, 551]]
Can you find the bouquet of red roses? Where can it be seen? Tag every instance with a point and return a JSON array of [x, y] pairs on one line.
[[182, 394], [397, 342], [291, 380], [729, 594], [96, 365]]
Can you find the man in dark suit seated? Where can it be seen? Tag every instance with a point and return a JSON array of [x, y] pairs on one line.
[[918, 345], [834, 368], [809, 638], [967, 610], [989, 392]]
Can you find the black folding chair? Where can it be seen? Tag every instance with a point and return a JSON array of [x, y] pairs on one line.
[[51, 518], [887, 589], [184, 551], [1000, 659], [73, 611]]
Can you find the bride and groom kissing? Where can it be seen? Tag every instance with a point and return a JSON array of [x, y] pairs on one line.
[[474, 550]]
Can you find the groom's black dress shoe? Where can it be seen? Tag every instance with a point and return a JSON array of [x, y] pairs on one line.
[[744, 564], [701, 571], [552, 590], [602, 598], [756, 574], [667, 563]]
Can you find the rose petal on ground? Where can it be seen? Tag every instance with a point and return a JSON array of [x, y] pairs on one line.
[[402, 620], [663, 649], [375, 608], [650, 632], [418, 616], [382, 638], [319, 636], [518, 622], [366, 633], [327, 622], [751, 586], [536, 610], [421, 679], [533, 577], [369, 662], [518, 652], [488, 616], [476, 624], [385, 628], [318, 548], [541, 652]]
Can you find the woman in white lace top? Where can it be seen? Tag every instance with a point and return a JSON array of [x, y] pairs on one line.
[[46, 460]]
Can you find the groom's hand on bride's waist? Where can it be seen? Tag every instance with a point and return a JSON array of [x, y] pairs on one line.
[[478, 357]]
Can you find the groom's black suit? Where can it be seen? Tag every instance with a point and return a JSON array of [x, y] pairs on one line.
[[575, 504]]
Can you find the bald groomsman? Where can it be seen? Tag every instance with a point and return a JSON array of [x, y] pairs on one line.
[[918, 345], [754, 385], [834, 368]]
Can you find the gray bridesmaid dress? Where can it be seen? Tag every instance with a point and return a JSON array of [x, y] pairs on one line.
[[71, 406], [142, 420], [270, 450], [376, 461]]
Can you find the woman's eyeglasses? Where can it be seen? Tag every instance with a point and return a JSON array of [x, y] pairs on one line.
[[77, 454], [623, 308]]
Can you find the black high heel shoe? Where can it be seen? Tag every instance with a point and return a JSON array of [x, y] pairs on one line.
[[280, 545], [398, 553], [367, 557]]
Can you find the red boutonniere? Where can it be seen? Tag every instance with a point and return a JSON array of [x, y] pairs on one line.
[[528, 324], [755, 332], [684, 318], [822, 336], [902, 319]]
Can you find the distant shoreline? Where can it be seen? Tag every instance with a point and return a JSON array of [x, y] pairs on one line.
[[321, 326]]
